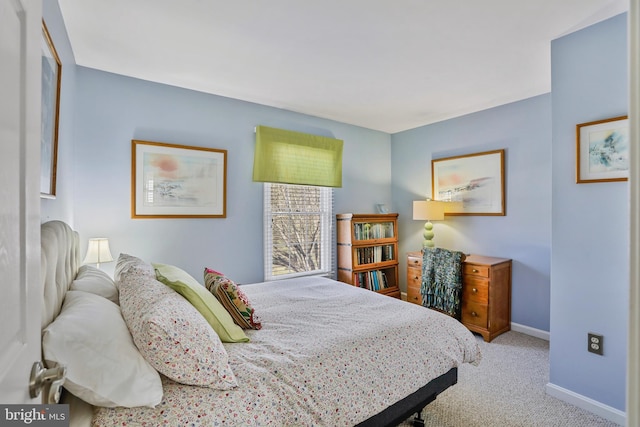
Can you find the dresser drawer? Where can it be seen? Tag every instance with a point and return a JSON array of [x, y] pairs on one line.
[[414, 277], [413, 295], [414, 282], [475, 270], [414, 261], [474, 313], [475, 289]]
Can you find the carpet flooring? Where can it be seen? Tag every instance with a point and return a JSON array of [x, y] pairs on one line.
[[507, 389]]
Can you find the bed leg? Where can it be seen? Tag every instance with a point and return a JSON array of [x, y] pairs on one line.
[[418, 421]]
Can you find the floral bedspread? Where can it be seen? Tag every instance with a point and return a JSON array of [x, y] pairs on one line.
[[328, 354]]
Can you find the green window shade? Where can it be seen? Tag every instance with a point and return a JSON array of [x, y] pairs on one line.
[[289, 157]]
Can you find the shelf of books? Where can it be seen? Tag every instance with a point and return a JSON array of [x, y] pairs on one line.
[[368, 251]]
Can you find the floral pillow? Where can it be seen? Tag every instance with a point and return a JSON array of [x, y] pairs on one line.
[[232, 298], [171, 334]]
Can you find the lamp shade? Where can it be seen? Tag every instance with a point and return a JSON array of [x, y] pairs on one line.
[[98, 251], [428, 210]]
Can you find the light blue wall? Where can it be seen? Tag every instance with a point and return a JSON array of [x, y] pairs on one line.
[[590, 222], [523, 129], [111, 110]]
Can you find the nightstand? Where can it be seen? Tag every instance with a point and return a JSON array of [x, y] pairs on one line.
[[486, 292]]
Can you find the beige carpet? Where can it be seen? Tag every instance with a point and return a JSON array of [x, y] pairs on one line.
[[507, 389]]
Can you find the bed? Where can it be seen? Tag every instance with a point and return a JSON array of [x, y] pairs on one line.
[[326, 353]]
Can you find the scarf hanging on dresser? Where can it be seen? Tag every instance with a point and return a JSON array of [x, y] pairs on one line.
[[442, 280]]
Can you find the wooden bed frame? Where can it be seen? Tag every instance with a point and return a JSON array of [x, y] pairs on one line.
[[61, 260]]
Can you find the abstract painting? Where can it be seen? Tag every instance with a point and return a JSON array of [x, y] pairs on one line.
[[177, 181], [602, 150], [51, 75]]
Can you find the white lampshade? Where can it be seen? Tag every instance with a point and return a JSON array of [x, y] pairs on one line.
[[98, 251], [428, 210]]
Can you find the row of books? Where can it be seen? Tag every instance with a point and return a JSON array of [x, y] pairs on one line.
[[379, 230], [373, 280], [372, 254]]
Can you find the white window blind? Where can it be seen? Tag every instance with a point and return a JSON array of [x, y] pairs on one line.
[[298, 231]]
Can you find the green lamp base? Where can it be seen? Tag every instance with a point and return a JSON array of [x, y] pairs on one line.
[[428, 235]]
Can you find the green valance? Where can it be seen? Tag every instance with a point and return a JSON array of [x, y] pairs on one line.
[[289, 157]]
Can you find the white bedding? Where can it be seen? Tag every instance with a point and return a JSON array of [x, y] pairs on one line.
[[328, 354]]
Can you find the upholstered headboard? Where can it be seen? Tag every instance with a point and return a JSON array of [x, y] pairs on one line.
[[60, 260]]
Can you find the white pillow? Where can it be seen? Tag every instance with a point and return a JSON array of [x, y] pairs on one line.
[[104, 367], [95, 281]]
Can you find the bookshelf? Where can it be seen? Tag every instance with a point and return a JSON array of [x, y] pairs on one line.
[[368, 251]]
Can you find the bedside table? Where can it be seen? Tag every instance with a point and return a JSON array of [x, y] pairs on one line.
[[486, 292]]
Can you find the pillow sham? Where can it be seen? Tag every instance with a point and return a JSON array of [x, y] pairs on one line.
[[232, 298], [126, 262], [104, 367], [217, 316], [172, 335], [93, 280]]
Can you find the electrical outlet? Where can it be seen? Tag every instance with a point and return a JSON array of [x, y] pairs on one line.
[[595, 343]]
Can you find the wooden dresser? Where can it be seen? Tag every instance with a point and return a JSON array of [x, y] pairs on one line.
[[486, 292]]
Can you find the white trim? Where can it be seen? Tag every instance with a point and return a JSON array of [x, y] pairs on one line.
[[593, 406], [538, 333], [633, 346]]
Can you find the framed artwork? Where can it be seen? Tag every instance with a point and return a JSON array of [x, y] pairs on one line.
[[474, 181], [177, 181], [51, 73], [602, 150]]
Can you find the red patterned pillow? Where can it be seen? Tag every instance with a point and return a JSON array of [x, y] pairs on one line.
[[232, 298]]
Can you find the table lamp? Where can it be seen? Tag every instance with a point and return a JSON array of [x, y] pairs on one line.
[[98, 252], [428, 210]]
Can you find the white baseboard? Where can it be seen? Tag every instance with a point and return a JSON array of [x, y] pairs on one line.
[[600, 409], [538, 333]]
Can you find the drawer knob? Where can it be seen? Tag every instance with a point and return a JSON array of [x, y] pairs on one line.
[[474, 290], [416, 278], [474, 314], [415, 261], [415, 298], [475, 271]]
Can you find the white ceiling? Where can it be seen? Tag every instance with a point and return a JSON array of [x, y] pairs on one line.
[[388, 65]]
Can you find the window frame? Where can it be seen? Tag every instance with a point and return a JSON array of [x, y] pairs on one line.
[[327, 234]]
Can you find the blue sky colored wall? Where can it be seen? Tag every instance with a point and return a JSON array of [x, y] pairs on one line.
[[111, 110], [523, 129], [590, 222]]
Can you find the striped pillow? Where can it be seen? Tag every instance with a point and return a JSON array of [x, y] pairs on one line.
[[232, 298]]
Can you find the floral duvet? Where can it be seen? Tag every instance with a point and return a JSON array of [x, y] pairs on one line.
[[328, 354]]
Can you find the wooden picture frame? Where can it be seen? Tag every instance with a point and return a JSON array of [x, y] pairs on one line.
[[177, 181], [602, 150], [474, 181], [51, 78]]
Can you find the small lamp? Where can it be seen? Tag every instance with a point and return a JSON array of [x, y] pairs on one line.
[[428, 210], [98, 252]]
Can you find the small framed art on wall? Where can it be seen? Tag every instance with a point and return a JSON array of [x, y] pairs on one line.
[[602, 150]]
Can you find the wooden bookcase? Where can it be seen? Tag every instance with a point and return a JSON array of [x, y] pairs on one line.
[[368, 251]]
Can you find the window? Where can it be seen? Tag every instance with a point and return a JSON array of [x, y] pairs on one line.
[[298, 228]]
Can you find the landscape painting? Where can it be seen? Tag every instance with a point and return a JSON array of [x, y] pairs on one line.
[[474, 181]]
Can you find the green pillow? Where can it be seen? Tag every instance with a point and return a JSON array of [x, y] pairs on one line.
[[215, 313]]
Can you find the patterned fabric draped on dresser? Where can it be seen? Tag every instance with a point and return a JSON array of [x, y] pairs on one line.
[[442, 280]]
